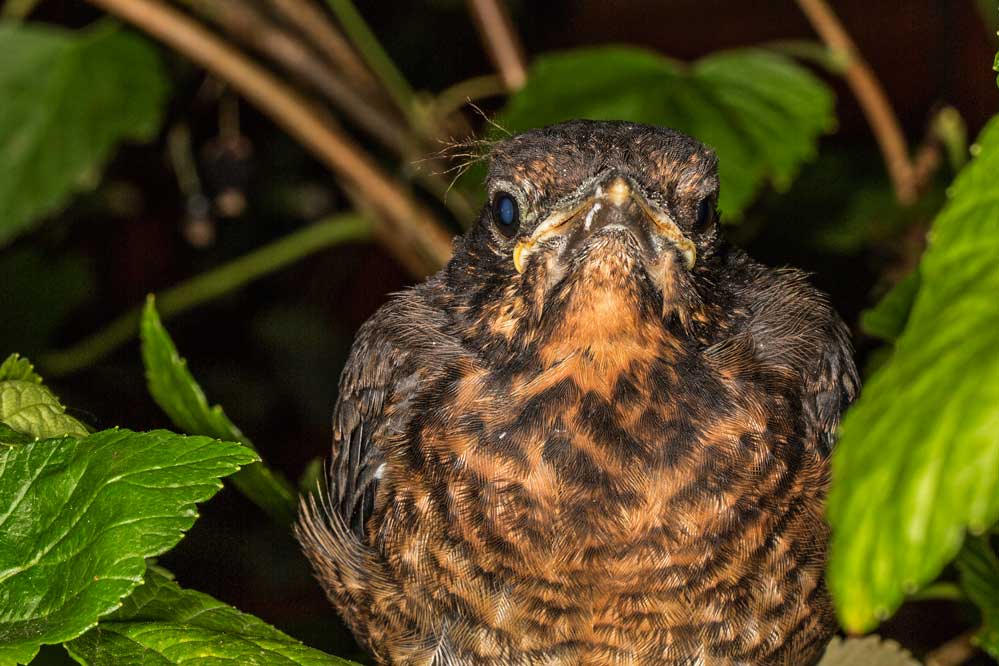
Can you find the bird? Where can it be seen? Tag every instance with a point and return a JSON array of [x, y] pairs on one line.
[[600, 435]]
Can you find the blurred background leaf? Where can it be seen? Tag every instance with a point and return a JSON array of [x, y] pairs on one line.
[[979, 569], [759, 110], [68, 98]]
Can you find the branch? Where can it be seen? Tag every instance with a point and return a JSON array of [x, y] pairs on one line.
[[403, 225], [374, 54], [240, 20], [17, 10], [451, 99], [202, 288], [501, 41], [871, 96], [253, 28], [314, 24], [955, 651]]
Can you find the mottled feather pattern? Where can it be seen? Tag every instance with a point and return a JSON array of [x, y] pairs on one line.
[[587, 463]]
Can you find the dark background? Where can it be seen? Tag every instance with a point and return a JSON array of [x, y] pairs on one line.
[[271, 353]]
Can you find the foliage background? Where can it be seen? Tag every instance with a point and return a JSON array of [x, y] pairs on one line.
[[271, 352]]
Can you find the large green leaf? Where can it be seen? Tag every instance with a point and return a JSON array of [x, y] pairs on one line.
[[179, 395], [918, 459], [161, 623], [979, 568], [28, 407], [68, 98], [79, 516], [761, 112]]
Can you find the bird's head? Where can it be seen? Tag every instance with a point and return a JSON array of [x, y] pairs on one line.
[[593, 220]]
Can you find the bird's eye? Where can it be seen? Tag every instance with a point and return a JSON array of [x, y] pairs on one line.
[[705, 214], [506, 214]]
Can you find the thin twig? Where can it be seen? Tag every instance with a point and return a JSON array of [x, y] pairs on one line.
[[939, 591], [203, 288], [239, 19], [374, 54], [454, 97], [248, 25], [501, 41], [403, 225], [871, 96], [314, 23], [17, 10], [952, 653]]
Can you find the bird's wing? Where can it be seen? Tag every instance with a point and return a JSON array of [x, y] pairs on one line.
[[793, 325], [831, 382], [376, 381]]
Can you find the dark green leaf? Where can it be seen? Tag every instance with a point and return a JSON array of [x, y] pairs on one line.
[[161, 623], [16, 367], [761, 112], [68, 98], [40, 289], [79, 517], [179, 395], [979, 569], [918, 459], [10, 436], [887, 319]]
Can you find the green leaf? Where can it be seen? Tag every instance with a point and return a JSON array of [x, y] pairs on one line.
[[887, 319], [979, 569], [68, 98], [79, 517], [10, 436], [30, 408], [178, 394], [761, 112], [917, 463], [15, 367], [161, 623], [41, 289]]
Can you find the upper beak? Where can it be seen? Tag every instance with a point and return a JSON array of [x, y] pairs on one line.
[[615, 202]]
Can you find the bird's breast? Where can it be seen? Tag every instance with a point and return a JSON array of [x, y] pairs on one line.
[[608, 499]]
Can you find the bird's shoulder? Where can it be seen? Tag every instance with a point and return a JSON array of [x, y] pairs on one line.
[[785, 322]]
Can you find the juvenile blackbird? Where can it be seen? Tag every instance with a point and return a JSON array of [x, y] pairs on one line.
[[599, 436]]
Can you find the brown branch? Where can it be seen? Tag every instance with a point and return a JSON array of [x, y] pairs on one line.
[[240, 20], [501, 41], [871, 96], [404, 226], [314, 23], [952, 653], [246, 24]]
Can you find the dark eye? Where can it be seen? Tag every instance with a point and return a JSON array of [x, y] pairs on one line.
[[506, 214], [705, 214]]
